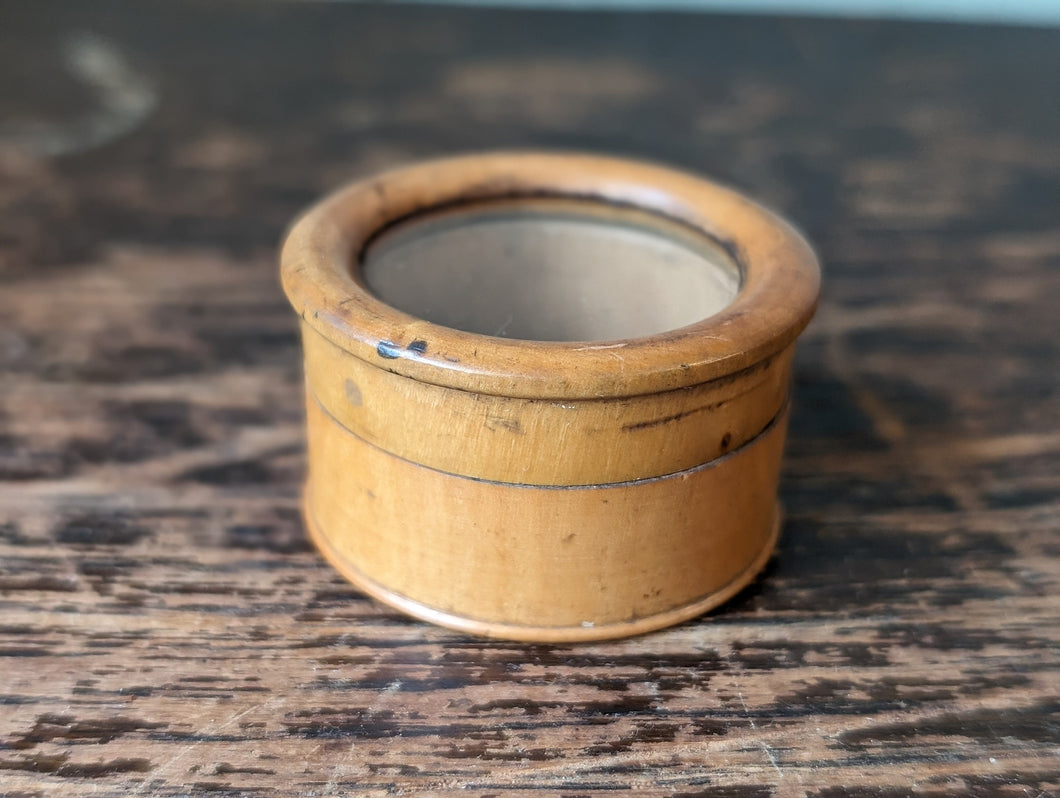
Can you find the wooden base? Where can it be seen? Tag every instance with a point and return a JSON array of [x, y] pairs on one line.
[[541, 563], [542, 634]]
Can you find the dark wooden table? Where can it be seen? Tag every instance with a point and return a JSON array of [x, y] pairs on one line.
[[166, 630]]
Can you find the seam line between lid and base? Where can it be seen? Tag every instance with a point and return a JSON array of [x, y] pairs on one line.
[[717, 461]]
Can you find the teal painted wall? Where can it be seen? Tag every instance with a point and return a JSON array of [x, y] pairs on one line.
[[1025, 12]]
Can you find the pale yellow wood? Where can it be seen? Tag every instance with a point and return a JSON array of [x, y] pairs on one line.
[[557, 490], [541, 563], [778, 293], [545, 441]]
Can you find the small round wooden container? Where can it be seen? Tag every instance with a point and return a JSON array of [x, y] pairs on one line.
[[546, 490]]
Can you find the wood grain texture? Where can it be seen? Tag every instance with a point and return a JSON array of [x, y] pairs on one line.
[[542, 564], [166, 629], [547, 491], [496, 437]]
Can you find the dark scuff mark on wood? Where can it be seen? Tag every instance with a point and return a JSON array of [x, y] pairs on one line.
[[658, 422], [353, 393], [510, 424], [388, 350]]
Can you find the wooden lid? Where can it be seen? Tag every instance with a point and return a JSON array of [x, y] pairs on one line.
[[321, 272]]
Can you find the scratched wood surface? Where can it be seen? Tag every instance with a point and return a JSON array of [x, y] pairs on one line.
[[164, 627]]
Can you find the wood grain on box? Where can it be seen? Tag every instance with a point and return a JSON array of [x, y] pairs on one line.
[[165, 626], [547, 490]]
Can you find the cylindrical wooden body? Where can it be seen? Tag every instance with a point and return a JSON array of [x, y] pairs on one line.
[[548, 491]]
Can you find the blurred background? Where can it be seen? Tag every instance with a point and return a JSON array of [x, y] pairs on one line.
[[169, 631], [1031, 12]]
